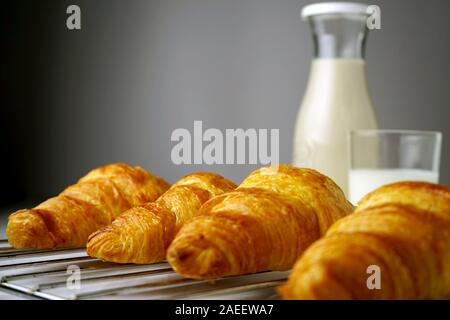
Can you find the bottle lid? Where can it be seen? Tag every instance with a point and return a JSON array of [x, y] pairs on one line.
[[334, 8]]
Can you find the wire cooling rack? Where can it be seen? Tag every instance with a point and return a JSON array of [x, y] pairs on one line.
[[71, 274]]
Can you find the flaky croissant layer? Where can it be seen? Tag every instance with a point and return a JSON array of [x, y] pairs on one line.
[[265, 224], [395, 246], [93, 202], [142, 234]]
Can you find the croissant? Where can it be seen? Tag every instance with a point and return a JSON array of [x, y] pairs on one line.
[[93, 202], [395, 246], [265, 224], [142, 234]]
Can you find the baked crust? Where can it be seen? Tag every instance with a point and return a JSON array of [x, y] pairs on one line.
[[402, 228], [265, 224], [93, 202], [142, 234]]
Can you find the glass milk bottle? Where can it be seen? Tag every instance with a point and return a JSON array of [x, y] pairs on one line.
[[337, 99]]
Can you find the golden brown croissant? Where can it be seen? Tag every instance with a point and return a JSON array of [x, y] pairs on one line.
[[265, 224], [142, 234], [93, 202], [395, 246]]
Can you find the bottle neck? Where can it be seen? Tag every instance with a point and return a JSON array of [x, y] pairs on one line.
[[339, 36]]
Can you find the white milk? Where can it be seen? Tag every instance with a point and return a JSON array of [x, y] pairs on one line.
[[336, 101], [363, 181]]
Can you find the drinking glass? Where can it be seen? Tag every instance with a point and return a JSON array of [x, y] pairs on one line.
[[379, 157]]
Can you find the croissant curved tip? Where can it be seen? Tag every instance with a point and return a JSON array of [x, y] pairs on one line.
[[27, 229], [317, 283], [102, 245], [198, 260]]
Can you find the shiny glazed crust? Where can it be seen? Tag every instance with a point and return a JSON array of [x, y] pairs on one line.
[[402, 228], [265, 224], [93, 202], [142, 234]]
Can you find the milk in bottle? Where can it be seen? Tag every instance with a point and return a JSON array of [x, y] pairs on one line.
[[337, 99]]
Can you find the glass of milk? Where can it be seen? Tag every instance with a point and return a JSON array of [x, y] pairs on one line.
[[379, 157]]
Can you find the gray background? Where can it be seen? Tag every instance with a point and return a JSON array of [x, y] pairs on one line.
[[137, 70]]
